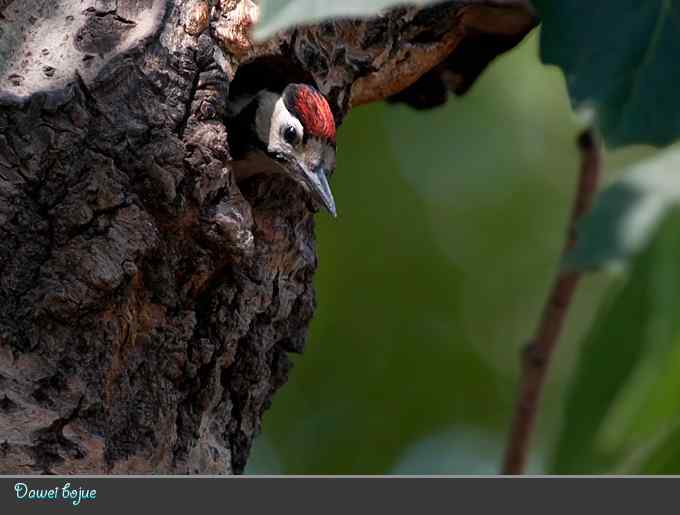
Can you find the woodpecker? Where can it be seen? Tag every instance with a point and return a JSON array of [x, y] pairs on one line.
[[293, 133]]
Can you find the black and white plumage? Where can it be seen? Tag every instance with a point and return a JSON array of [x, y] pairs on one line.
[[291, 133]]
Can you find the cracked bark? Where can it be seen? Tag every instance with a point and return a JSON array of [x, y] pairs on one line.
[[147, 303]]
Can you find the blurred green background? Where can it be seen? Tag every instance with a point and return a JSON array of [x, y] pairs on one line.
[[432, 279]]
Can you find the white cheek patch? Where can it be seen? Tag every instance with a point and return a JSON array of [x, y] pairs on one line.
[[280, 119]]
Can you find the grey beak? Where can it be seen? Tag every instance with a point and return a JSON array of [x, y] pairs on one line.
[[317, 181]]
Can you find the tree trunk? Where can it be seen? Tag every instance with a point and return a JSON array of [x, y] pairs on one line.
[[147, 302]]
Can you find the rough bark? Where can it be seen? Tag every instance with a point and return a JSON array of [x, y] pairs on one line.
[[147, 303]]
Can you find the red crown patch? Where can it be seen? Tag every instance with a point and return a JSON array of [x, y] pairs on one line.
[[312, 109]]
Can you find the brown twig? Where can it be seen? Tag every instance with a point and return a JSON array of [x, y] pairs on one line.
[[536, 356]]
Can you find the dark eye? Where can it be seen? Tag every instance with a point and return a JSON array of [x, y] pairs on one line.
[[291, 135]]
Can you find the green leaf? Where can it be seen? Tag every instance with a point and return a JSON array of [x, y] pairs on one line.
[[627, 213], [620, 58], [635, 327], [277, 15], [650, 401], [660, 456]]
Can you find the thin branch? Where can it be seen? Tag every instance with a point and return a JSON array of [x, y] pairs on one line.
[[536, 356]]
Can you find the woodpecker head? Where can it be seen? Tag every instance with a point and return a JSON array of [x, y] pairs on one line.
[[297, 130]]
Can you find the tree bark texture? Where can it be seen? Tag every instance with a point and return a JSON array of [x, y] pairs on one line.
[[148, 304]]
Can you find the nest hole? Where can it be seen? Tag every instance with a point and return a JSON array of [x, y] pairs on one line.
[[271, 73]]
